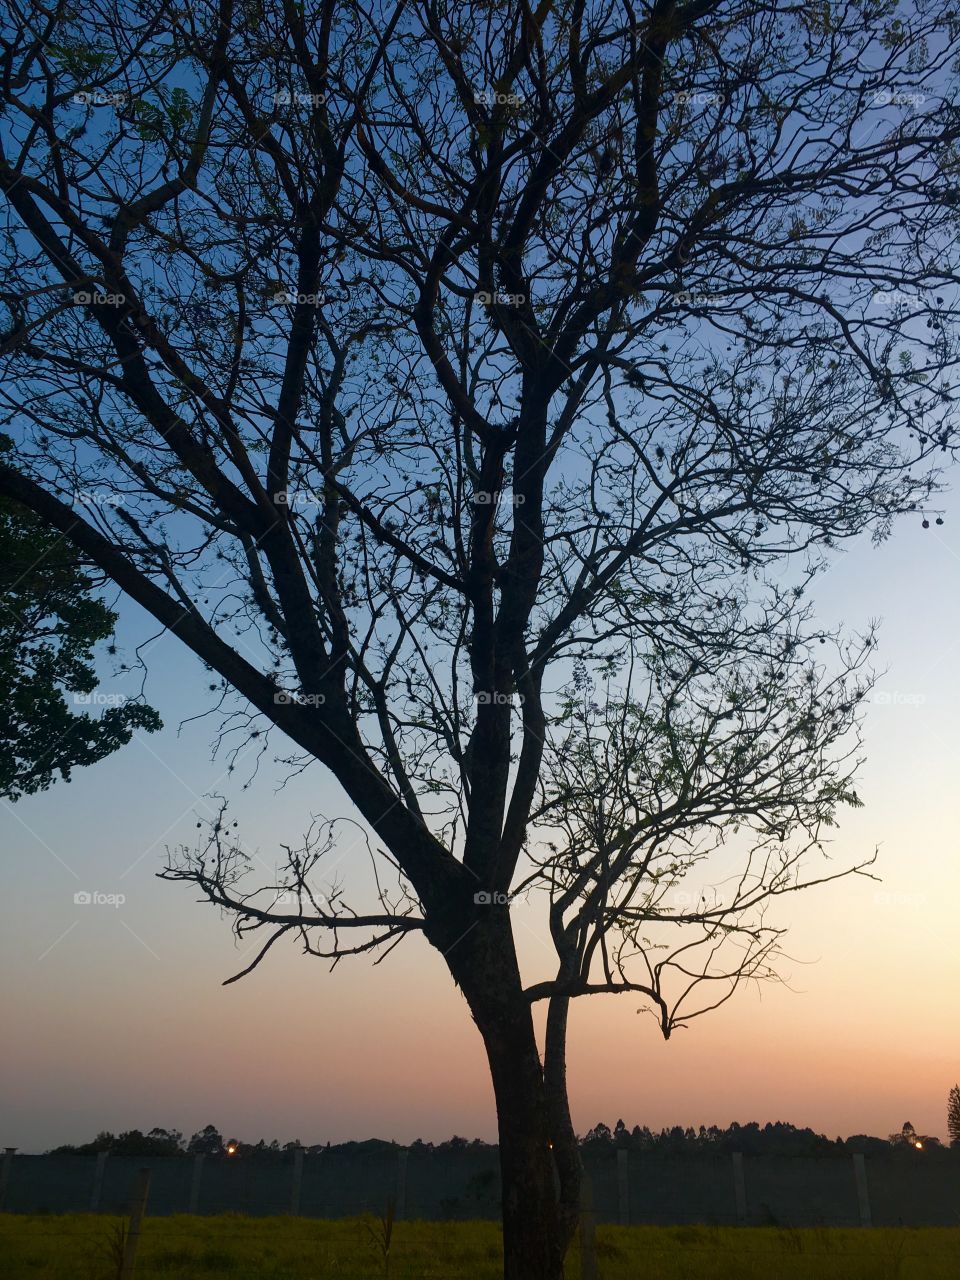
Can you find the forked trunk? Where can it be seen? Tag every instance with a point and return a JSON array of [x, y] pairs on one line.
[[483, 962], [533, 1242]]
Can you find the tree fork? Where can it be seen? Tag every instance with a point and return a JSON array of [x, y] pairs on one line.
[[484, 965]]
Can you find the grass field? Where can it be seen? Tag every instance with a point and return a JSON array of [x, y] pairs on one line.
[[84, 1247]]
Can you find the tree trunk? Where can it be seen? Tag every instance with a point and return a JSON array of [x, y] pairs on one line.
[[484, 964], [566, 1152], [533, 1243]]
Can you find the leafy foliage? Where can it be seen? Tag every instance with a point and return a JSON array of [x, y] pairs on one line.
[[49, 625]]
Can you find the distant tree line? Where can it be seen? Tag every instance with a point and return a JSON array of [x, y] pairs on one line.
[[209, 1141], [778, 1138]]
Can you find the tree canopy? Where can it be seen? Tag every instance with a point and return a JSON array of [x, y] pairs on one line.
[[50, 624]]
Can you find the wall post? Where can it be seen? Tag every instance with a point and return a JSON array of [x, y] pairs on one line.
[[588, 1230], [297, 1181], [195, 1183], [739, 1188], [402, 1156], [623, 1187], [98, 1181], [137, 1210], [863, 1191]]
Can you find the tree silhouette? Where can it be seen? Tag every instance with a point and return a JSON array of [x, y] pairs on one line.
[[50, 623], [207, 1141], [472, 377]]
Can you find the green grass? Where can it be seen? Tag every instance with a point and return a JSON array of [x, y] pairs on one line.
[[83, 1247]]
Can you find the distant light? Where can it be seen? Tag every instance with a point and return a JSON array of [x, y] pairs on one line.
[[918, 1144], [232, 1150]]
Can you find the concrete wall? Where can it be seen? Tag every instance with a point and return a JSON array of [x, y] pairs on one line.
[[630, 1187]]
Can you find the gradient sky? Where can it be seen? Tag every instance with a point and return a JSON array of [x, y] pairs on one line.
[[114, 1017]]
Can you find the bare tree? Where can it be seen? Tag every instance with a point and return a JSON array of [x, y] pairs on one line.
[[480, 373]]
